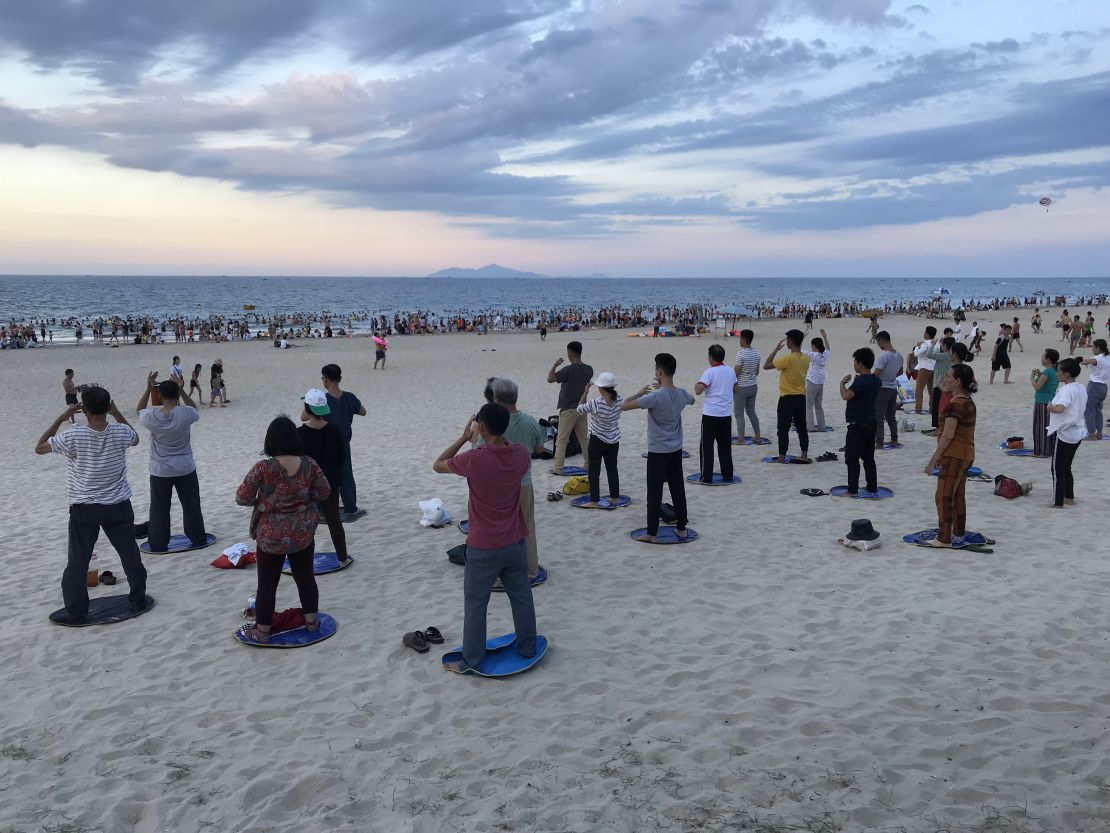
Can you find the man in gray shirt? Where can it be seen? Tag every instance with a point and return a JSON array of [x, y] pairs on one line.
[[171, 464], [664, 403], [572, 381], [888, 367]]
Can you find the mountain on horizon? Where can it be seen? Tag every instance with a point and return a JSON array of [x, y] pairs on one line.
[[494, 270]]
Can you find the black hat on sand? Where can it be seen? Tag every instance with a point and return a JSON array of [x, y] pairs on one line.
[[862, 531]]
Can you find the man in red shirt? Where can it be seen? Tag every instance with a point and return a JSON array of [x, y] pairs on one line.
[[496, 545]]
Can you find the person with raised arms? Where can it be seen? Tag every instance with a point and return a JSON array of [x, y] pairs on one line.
[[663, 402], [1096, 387], [792, 369], [99, 497], [572, 380], [1068, 424], [860, 416]]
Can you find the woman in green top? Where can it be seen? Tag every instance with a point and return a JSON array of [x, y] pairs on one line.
[[1044, 383], [943, 359]]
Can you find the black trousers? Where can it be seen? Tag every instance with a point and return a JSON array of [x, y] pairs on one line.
[[188, 493], [859, 447], [716, 431], [269, 575], [85, 522], [934, 406], [330, 507], [886, 408], [1062, 480], [792, 411], [607, 452], [666, 468]]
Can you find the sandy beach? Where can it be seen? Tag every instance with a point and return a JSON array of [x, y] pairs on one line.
[[762, 678]]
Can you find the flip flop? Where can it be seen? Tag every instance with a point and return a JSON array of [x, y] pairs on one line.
[[417, 641], [827, 457], [813, 492], [433, 636]]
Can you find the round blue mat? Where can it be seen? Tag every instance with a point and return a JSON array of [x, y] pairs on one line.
[[179, 543], [718, 479], [501, 659], [882, 493], [666, 535], [322, 563], [298, 638]]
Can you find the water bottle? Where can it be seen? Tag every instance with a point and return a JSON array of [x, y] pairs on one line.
[[93, 577]]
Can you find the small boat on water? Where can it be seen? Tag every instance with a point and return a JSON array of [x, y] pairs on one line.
[[248, 307]]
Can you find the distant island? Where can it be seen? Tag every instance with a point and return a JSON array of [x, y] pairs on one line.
[[494, 271]]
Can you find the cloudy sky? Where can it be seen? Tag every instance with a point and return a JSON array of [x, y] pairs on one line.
[[632, 137]]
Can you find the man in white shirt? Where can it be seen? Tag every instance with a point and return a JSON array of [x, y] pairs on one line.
[[716, 383], [925, 367], [99, 497]]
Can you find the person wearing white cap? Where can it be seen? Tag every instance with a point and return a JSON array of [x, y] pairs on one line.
[[324, 444], [604, 416]]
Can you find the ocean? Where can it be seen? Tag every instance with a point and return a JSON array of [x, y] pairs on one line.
[[27, 297]]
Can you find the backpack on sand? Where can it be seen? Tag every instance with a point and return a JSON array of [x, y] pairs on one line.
[[1009, 488], [577, 485]]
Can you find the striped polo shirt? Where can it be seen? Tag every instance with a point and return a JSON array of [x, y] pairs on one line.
[[604, 419], [748, 359], [97, 462]]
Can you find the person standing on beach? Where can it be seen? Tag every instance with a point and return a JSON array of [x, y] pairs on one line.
[[954, 454], [792, 392], [495, 544], [664, 403], [172, 467], [1096, 388], [940, 354], [194, 383], [1015, 335], [572, 381], [1068, 425], [860, 415], [1044, 383], [747, 387], [216, 387], [99, 496], [381, 344], [343, 407], [323, 443], [176, 374], [716, 383], [925, 368], [69, 388], [815, 381], [523, 430], [1000, 358], [604, 414], [888, 367], [1075, 334]]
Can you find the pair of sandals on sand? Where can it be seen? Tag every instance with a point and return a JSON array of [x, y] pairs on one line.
[[420, 640], [554, 496]]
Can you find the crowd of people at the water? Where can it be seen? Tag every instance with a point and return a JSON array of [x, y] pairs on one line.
[[307, 471]]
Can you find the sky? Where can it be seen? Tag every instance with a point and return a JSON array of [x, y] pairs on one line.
[[671, 138]]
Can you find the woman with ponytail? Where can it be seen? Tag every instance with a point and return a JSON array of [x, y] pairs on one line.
[[954, 454]]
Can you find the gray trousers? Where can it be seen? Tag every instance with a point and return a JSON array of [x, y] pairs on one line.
[[483, 568], [815, 411], [743, 402], [886, 410]]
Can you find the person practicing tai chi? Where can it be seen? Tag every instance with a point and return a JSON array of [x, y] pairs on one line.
[[860, 395], [604, 414], [940, 354], [792, 369], [1044, 383], [495, 545], [1068, 424], [954, 454], [343, 407], [815, 380], [747, 387], [664, 403], [1000, 358], [523, 430], [1096, 387], [172, 467], [572, 380], [99, 496], [925, 366], [323, 442], [283, 489], [717, 383], [888, 367]]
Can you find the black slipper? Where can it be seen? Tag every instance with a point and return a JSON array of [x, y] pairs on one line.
[[107, 578], [433, 636], [417, 641], [827, 457], [814, 492]]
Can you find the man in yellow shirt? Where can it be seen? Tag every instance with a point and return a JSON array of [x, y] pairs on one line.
[[792, 368]]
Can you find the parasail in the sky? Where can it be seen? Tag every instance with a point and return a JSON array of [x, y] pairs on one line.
[[1046, 202]]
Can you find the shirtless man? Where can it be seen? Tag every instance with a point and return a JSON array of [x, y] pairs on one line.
[[1015, 336], [70, 389]]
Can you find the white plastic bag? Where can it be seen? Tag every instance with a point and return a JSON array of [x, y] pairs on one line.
[[434, 513]]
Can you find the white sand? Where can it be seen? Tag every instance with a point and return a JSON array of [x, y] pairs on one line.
[[762, 678]]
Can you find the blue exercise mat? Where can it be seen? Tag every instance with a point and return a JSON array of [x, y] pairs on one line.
[[891, 446], [973, 471], [570, 471], [540, 578], [1019, 452], [750, 441], [718, 479], [179, 543], [501, 659], [926, 536], [790, 458], [105, 610], [297, 638], [665, 535], [881, 494], [604, 503], [685, 454], [322, 563]]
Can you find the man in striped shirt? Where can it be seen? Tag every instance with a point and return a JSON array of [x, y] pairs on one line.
[[99, 496], [747, 387]]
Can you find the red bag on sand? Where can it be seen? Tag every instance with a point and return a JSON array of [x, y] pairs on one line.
[[287, 620], [224, 563]]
